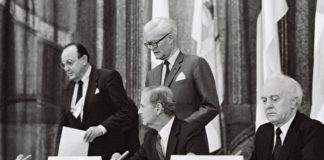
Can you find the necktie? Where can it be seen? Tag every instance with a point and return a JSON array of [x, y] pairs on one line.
[[79, 95], [277, 148], [167, 69], [158, 147]]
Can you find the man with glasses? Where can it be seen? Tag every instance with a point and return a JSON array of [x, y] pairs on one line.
[[95, 101], [188, 76]]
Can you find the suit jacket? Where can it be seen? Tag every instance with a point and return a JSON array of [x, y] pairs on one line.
[[184, 138], [109, 108], [196, 96], [304, 140]]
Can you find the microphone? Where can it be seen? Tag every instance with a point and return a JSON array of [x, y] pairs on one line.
[[123, 155]]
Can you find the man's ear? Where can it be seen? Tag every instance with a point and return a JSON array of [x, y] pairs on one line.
[[294, 101], [158, 108]]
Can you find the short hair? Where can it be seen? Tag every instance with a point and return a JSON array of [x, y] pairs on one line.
[[293, 88], [81, 49], [162, 26], [162, 95]]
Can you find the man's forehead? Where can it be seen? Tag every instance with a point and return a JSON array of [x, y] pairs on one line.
[[70, 53]]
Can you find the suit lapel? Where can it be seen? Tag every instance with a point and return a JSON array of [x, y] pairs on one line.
[[157, 76], [173, 138], [69, 95], [93, 84], [290, 140], [174, 70], [268, 143]]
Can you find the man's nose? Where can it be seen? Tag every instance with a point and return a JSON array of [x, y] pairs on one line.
[[268, 104]]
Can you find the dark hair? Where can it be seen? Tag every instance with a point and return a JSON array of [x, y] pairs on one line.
[[164, 96], [80, 48]]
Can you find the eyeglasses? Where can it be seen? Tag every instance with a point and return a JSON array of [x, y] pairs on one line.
[[68, 63], [153, 45]]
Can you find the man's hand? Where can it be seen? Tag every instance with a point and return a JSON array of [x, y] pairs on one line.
[[92, 133], [115, 156]]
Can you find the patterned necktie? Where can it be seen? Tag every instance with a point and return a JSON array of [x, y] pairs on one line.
[[158, 147], [167, 69], [277, 148]]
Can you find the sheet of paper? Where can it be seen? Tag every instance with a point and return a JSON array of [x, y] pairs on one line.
[[72, 143], [213, 134], [205, 157], [75, 158]]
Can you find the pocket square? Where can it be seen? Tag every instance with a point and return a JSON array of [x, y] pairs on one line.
[[97, 91], [181, 76]]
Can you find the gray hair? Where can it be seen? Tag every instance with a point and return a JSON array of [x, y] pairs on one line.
[[293, 88], [162, 95], [161, 26]]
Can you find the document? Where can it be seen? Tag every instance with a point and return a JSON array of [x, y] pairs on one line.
[[72, 143], [213, 134], [205, 157]]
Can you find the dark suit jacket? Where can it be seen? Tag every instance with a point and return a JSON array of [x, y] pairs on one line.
[[184, 138], [304, 140], [109, 108], [196, 96]]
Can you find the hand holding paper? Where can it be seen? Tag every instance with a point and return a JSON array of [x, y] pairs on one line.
[[92, 133]]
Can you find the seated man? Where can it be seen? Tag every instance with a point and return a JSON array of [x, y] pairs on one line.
[[290, 135], [168, 134]]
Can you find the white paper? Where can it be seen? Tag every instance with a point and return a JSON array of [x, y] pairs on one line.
[[75, 158], [72, 143], [213, 134], [205, 157]]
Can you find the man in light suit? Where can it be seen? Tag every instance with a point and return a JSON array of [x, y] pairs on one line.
[[290, 135], [95, 101], [168, 135], [189, 77]]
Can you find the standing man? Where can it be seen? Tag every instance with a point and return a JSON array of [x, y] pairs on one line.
[[95, 101], [168, 135], [289, 135], [189, 77]]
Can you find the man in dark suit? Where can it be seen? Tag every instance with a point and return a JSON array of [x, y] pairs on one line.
[[168, 135], [189, 77], [290, 135], [95, 101]]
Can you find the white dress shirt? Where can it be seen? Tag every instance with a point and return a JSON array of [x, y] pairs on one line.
[[165, 133], [284, 129], [85, 80], [171, 60]]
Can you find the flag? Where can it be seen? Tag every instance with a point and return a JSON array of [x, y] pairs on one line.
[[268, 53], [160, 8], [317, 110], [204, 32]]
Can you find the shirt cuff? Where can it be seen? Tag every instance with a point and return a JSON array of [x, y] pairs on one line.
[[103, 129]]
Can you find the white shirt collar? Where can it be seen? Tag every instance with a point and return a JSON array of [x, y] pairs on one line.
[[165, 133], [284, 128], [173, 58], [86, 76]]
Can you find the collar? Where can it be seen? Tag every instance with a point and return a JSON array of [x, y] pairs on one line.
[[86, 76], [284, 128], [165, 131], [173, 57]]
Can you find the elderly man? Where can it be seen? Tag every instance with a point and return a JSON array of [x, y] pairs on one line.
[[290, 135], [168, 134], [188, 76]]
